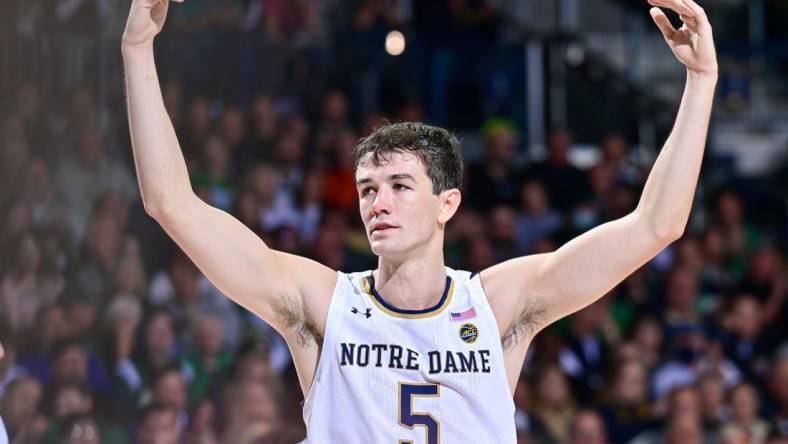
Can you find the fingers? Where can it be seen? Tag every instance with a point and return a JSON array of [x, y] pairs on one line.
[[690, 12], [699, 15], [678, 6], [663, 23]]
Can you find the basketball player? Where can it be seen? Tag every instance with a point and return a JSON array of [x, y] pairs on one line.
[[414, 352]]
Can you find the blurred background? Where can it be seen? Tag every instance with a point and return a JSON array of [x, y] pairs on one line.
[[113, 336]]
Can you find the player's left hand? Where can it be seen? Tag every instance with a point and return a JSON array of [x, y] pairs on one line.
[[693, 43]]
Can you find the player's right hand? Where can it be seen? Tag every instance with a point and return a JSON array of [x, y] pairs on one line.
[[146, 19]]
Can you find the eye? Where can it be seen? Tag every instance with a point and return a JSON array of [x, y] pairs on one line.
[[400, 187], [367, 190]]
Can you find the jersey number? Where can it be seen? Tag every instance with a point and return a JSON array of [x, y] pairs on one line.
[[410, 419]]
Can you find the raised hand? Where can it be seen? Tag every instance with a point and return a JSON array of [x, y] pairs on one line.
[[145, 21], [693, 43]]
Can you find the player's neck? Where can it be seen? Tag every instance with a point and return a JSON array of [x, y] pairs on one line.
[[412, 284]]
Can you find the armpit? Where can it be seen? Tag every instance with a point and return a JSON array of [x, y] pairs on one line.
[[526, 325], [294, 319]]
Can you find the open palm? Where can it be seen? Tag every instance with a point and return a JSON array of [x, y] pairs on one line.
[[693, 43]]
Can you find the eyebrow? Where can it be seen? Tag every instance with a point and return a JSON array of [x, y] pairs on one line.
[[398, 176]]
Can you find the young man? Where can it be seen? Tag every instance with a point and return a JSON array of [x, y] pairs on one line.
[[413, 351]]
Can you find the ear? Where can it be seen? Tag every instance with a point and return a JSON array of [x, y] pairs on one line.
[[449, 203]]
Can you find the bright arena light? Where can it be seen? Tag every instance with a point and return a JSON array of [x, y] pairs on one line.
[[395, 43]]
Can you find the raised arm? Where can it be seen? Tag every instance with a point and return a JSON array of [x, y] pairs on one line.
[[531, 292], [271, 284]]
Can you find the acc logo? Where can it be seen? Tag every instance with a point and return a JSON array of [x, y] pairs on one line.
[[469, 333]]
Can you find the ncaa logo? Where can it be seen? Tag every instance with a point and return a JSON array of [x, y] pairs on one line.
[[469, 333]]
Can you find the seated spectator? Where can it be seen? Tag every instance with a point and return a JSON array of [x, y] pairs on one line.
[[10, 370], [89, 174], [51, 328], [186, 294], [253, 412], [159, 424], [27, 283], [553, 403], [747, 343], [170, 388], [714, 408], [209, 358], [744, 406], [81, 429], [567, 185], [535, 217], [627, 411], [587, 428], [20, 408], [73, 363]]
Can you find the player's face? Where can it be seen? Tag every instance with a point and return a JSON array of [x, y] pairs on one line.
[[398, 208]]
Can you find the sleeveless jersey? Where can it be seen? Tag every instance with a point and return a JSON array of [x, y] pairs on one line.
[[392, 376]]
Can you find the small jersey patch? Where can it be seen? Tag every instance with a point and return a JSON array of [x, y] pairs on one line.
[[469, 333]]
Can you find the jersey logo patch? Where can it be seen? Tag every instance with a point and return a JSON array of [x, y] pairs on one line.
[[469, 333], [367, 313]]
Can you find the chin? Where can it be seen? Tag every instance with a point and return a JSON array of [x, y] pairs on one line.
[[386, 248]]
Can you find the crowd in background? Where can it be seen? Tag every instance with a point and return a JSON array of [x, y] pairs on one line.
[[112, 335]]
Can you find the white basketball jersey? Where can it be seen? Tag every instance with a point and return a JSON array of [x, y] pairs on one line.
[[394, 376]]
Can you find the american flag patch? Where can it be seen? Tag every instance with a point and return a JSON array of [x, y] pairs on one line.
[[463, 315]]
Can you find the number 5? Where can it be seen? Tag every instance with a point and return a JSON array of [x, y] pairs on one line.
[[410, 419]]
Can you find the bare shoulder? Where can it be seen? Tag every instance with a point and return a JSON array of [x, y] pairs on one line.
[[517, 300], [303, 316]]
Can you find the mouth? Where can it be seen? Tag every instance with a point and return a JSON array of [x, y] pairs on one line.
[[382, 228]]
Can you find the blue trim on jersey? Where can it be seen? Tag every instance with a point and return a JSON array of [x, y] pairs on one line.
[[473, 275], [439, 305]]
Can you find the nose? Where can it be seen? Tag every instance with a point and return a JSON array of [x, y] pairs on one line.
[[382, 202]]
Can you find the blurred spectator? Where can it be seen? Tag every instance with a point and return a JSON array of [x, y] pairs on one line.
[[20, 409], [10, 370], [195, 129], [495, 178], [28, 283], [214, 178], [588, 428], [253, 412], [186, 294], [744, 415], [682, 423], [102, 248], [681, 293], [170, 388], [155, 351], [682, 367], [73, 363], [535, 217], [503, 233], [159, 424], [739, 237], [209, 358], [81, 429], [88, 174], [553, 403], [627, 410], [340, 178], [568, 186], [585, 353], [714, 408], [748, 345], [258, 142], [51, 328]]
